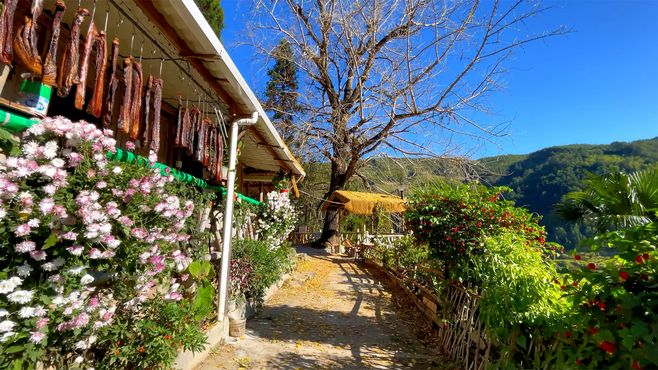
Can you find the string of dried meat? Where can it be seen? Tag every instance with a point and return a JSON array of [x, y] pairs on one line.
[[147, 111], [25, 41], [157, 107], [81, 83], [68, 69], [179, 123], [50, 63], [136, 100], [95, 106], [124, 115], [7, 31], [112, 84]]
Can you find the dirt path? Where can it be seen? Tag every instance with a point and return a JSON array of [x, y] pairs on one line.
[[331, 314]]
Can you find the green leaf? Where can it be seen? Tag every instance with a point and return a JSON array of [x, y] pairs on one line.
[[14, 349], [521, 341], [199, 269], [203, 300], [51, 241]]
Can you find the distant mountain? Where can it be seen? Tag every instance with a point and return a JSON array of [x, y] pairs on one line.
[[540, 179]]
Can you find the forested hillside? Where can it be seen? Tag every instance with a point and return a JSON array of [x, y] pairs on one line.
[[540, 179]]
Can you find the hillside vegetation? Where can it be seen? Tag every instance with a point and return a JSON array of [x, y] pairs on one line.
[[540, 179]]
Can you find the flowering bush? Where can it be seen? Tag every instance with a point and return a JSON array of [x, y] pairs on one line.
[[616, 301], [454, 221], [88, 246], [277, 219]]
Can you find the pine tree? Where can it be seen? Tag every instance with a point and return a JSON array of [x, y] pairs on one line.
[[281, 93], [212, 10]]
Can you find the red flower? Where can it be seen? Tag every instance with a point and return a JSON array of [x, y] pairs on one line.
[[608, 347], [602, 306], [623, 275], [575, 283], [639, 259], [636, 365], [645, 256], [454, 229], [577, 257], [141, 349], [591, 266], [578, 362], [593, 331], [567, 334], [563, 287]]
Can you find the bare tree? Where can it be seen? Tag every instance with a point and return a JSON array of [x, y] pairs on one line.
[[393, 75]]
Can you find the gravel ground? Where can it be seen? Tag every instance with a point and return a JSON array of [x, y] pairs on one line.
[[331, 314]]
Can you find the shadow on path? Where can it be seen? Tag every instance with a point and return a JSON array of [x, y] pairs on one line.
[[331, 314]]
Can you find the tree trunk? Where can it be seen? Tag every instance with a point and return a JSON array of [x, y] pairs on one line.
[[330, 236]]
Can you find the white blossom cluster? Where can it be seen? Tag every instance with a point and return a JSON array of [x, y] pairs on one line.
[[277, 220]]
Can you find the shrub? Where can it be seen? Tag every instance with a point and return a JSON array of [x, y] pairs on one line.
[[616, 302], [453, 221], [265, 265], [85, 244]]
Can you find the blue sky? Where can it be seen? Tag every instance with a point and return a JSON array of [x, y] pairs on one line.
[[598, 84]]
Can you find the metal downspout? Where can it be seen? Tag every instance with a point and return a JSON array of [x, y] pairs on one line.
[[228, 213]]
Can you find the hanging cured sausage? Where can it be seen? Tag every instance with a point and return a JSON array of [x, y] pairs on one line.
[[112, 84], [219, 157], [147, 110], [136, 100], [7, 31], [50, 63], [179, 123], [157, 107], [124, 114], [68, 69], [95, 106], [81, 83], [25, 41]]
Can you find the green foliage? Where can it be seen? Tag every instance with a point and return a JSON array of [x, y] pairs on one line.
[[265, 265], [454, 220], [614, 201], [282, 93], [152, 341], [8, 144], [212, 10], [201, 272], [542, 178], [519, 300]]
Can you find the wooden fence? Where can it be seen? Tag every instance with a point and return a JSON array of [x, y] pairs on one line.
[[454, 312]]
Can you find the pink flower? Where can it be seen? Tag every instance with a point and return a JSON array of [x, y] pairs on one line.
[[36, 337], [174, 296], [125, 221], [33, 222], [75, 250], [42, 322], [22, 230], [25, 246], [95, 253], [139, 233], [130, 145], [69, 236], [46, 205], [101, 185]]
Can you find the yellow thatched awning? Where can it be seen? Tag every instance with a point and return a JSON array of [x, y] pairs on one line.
[[363, 203]]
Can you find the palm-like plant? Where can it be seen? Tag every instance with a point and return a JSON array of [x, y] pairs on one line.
[[615, 201]]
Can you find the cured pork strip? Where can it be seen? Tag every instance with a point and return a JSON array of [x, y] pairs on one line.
[[95, 106], [7, 31], [136, 100], [147, 111], [157, 107], [124, 114], [68, 69], [112, 84], [50, 62], [25, 41], [81, 83]]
